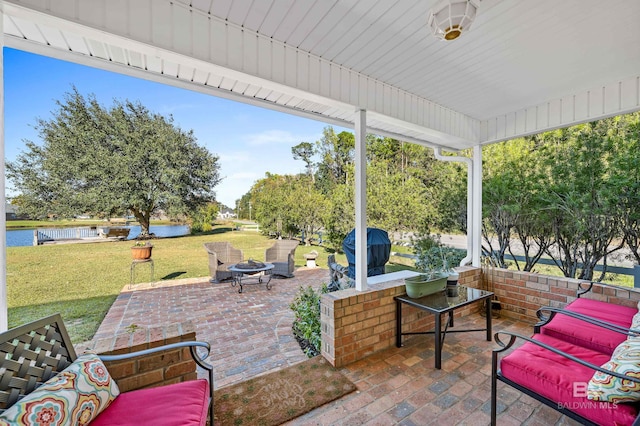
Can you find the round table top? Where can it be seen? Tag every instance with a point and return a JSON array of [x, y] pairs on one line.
[[266, 267]]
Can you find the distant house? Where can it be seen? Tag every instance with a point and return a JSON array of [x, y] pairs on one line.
[[226, 213], [11, 211]]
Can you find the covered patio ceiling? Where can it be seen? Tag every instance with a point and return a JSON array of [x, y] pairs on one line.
[[525, 66]]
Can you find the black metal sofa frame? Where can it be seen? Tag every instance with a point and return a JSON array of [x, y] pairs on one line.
[[546, 314], [33, 353]]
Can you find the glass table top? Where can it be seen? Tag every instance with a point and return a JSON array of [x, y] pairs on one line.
[[448, 299]]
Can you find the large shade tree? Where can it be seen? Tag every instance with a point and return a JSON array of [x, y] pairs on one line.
[[107, 161]]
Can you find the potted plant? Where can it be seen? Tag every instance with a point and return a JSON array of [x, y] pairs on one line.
[[141, 250], [436, 263]]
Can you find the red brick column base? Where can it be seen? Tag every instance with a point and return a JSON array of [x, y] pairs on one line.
[[163, 368]]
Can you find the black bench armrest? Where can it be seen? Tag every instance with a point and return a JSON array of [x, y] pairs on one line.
[[582, 290], [198, 357], [545, 318]]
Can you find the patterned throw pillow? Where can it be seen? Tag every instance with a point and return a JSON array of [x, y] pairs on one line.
[[625, 360], [635, 325], [75, 396]]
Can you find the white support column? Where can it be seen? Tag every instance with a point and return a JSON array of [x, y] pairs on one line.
[[469, 162], [4, 322], [361, 199], [477, 205]]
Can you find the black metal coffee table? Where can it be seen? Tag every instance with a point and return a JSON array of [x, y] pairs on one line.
[[259, 275], [441, 303]]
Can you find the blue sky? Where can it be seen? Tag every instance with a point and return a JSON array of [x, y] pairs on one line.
[[249, 140]]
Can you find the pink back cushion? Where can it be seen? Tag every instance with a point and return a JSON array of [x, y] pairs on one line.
[[588, 335]]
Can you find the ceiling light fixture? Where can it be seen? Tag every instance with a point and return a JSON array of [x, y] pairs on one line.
[[448, 19]]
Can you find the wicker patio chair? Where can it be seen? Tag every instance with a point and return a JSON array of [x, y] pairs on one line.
[[221, 255], [282, 254]]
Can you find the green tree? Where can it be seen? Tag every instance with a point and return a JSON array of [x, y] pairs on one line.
[[336, 154], [306, 206], [339, 219], [582, 199], [270, 203], [510, 205], [446, 186], [396, 201], [203, 217], [289, 202], [305, 151], [107, 161], [625, 175]]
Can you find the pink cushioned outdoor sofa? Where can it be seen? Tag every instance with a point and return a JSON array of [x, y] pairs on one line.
[[583, 361]]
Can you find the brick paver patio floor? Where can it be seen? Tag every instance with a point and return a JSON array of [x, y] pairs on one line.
[[250, 334]]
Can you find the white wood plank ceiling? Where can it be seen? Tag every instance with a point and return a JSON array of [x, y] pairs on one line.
[[525, 66]]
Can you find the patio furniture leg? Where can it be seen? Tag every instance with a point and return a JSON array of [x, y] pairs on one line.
[[494, 384], [438, 339], [488, 316], [268, 276], [398, 324]]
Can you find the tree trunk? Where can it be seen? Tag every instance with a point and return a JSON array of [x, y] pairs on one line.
[[144, 218]]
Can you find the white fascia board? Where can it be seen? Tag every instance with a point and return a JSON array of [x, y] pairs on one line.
[[615, 98], [94, 62], [173, 57], [69, 56], [432, 138], [440, 132]]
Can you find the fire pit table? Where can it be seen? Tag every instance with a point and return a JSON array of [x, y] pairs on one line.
[[251, 273]]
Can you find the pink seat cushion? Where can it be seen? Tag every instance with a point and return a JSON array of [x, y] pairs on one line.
[[179, 404], [553, 377], [588, 335]]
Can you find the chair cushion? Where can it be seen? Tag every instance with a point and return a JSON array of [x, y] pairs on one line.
[[625, 360], [588, 335], [179, 404], [75, 396], [562, 380]]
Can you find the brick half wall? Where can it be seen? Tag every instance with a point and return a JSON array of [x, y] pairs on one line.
[[163, 368], [521, 294], [356, 324]]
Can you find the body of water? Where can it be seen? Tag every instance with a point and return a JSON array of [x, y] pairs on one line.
[[24, 237]]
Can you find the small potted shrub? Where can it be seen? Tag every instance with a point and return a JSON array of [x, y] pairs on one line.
[[141, 250], [436, 263]]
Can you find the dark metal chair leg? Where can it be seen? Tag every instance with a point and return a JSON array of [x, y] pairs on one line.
[[438, 339], [494, 384], [488, 317]]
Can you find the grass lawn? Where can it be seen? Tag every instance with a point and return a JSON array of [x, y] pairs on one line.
[[610, 278], [81, 281]]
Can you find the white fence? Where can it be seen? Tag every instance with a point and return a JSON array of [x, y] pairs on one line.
[[41, 235]]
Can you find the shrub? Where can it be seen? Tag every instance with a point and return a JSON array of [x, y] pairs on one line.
[[306, 325], [433, 256]]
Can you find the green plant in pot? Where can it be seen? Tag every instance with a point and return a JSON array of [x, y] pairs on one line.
[[436, 262]]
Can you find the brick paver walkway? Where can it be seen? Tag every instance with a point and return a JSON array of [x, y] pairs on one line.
[[250, 334]]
